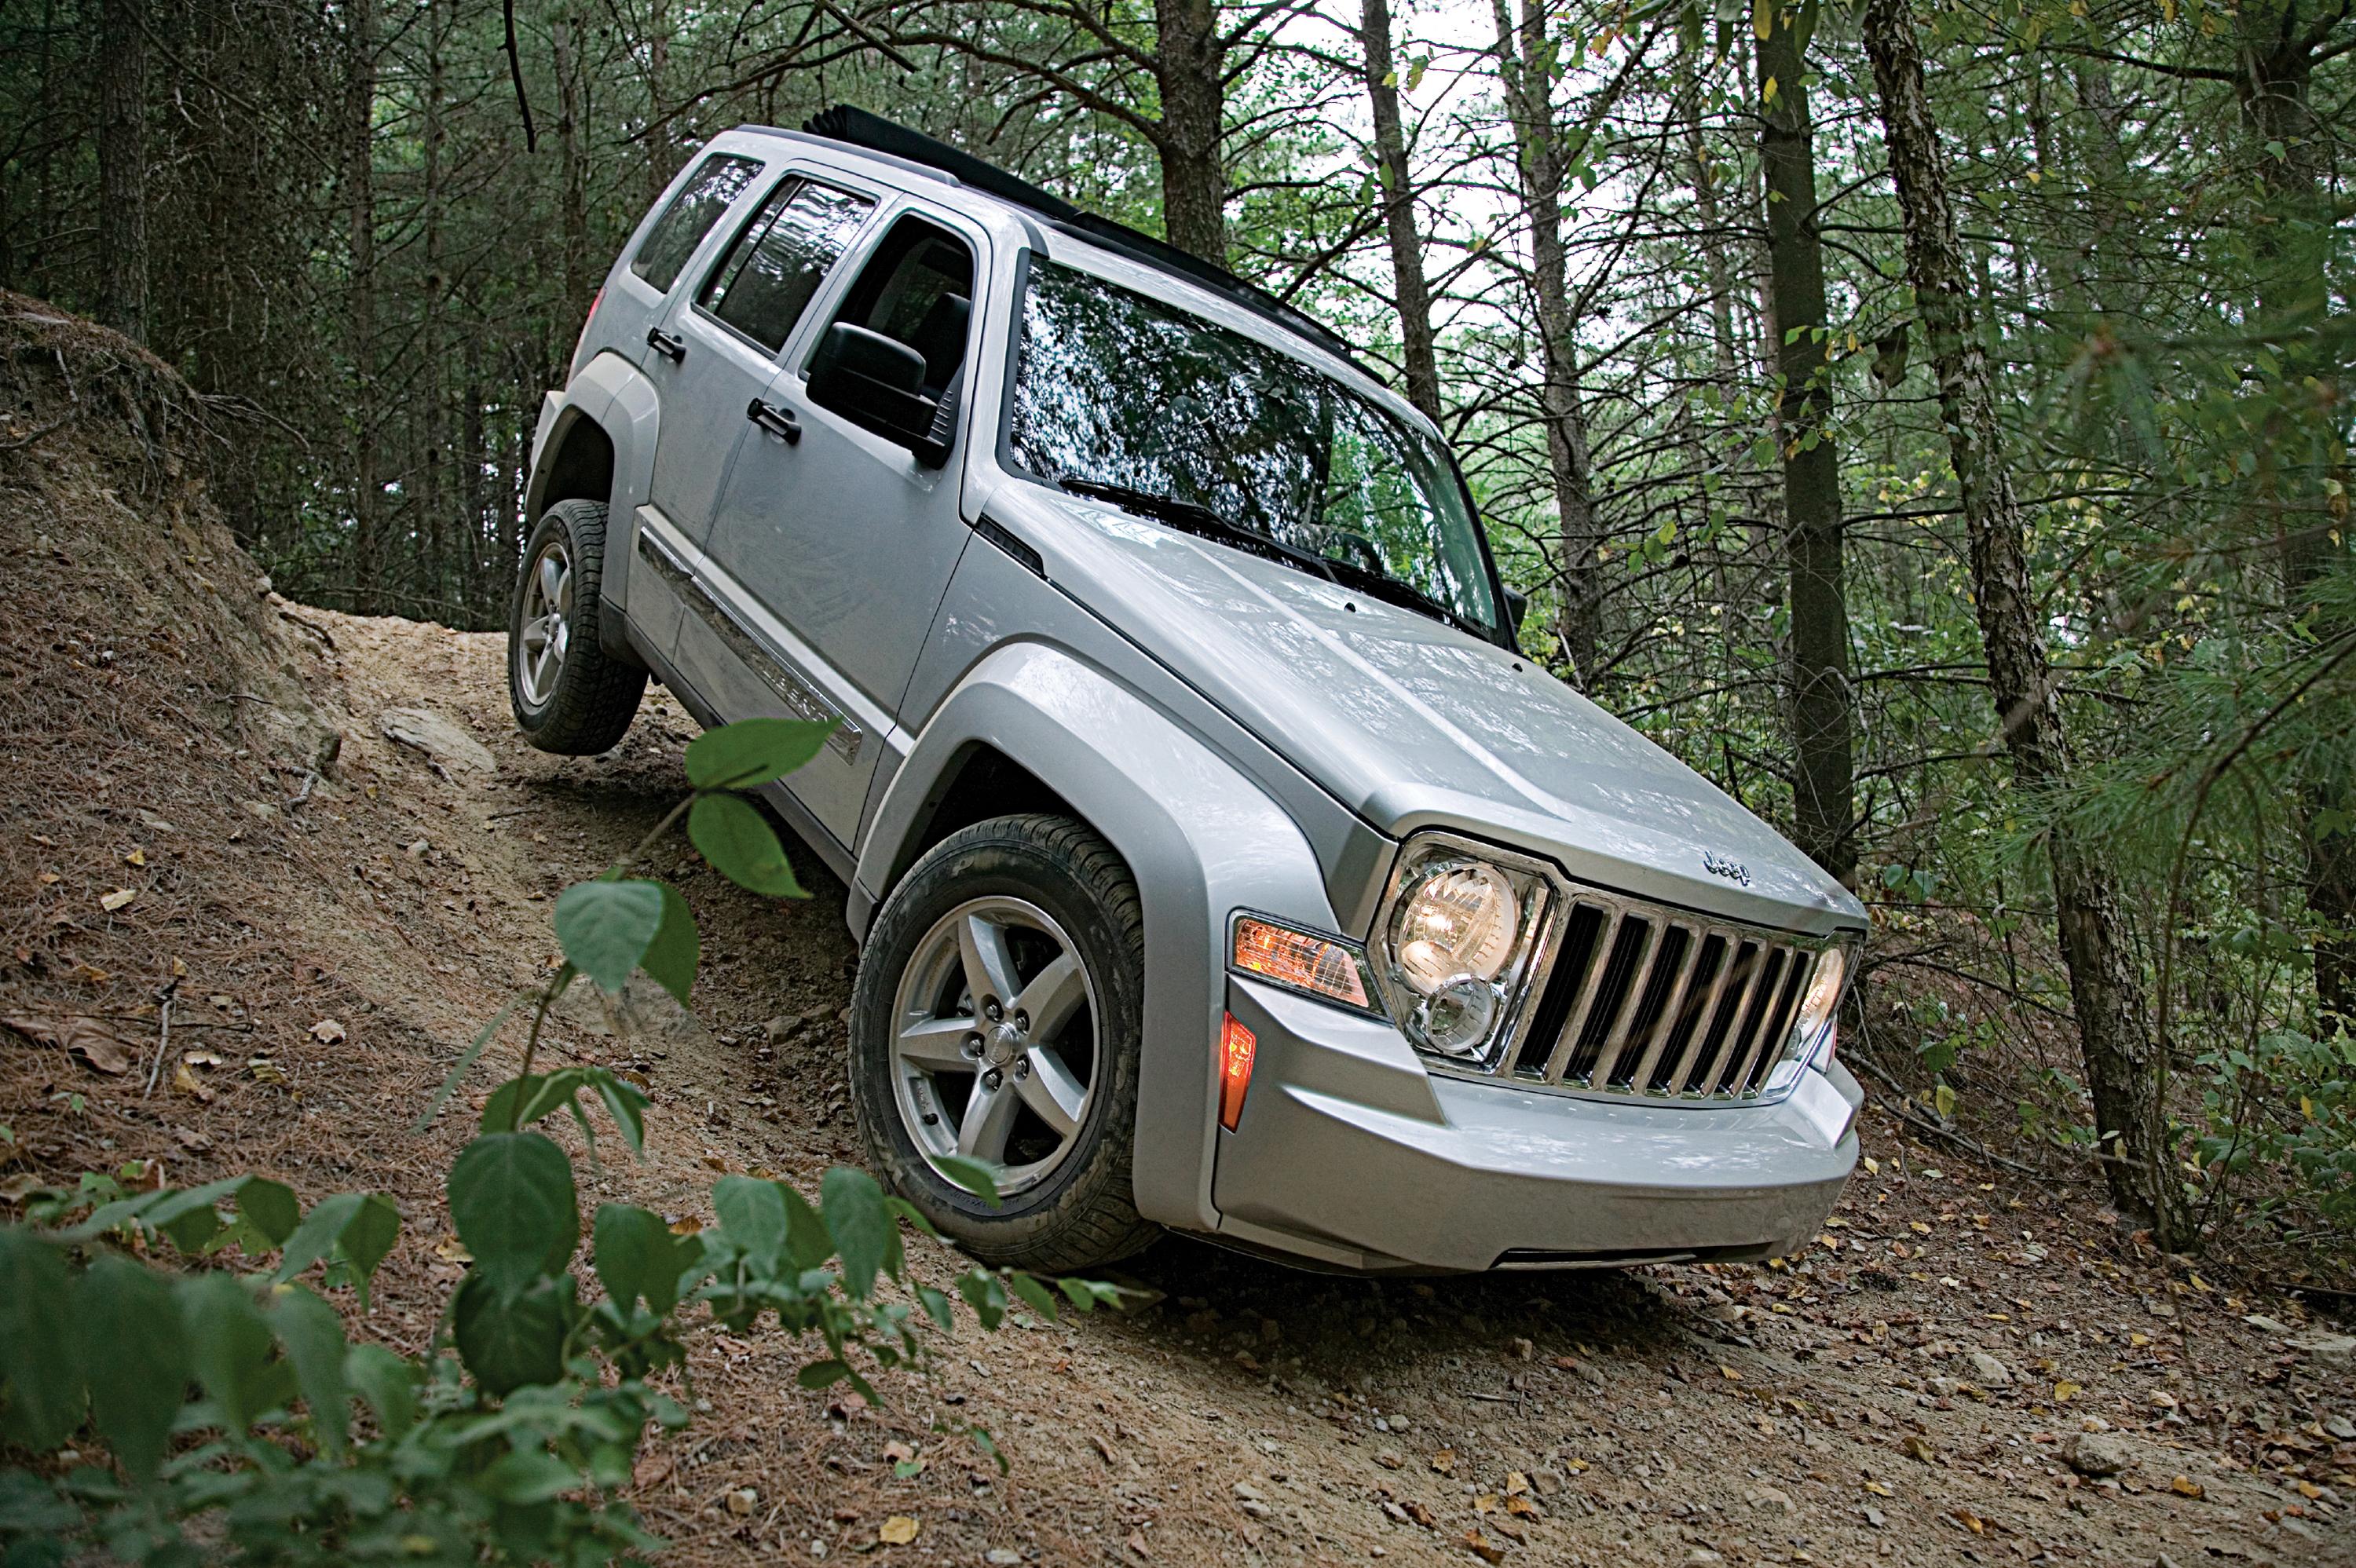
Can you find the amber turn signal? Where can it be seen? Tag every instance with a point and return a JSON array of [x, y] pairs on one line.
[[1317, 965], [1237, 1045]]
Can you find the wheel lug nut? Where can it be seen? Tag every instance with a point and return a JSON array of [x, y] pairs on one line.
[[993, 1079], [1023, 1023], [992, 1010], [972, 1046], [1023, 1068]]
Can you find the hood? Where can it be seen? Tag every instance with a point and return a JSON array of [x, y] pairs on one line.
[[1414, 724]]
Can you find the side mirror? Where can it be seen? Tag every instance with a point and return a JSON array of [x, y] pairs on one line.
[[877, 383], [1517, 604]]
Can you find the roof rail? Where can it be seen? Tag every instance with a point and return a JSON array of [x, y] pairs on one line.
[[874, 133]]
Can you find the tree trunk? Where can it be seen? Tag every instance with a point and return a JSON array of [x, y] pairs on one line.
[[360, 201], [1823, 784], [1189, 67], [431, 382], [1411, 288], [2105, 990], [660, 164], [1525, 57], [574, 198], [2276, 65], [123, 168]]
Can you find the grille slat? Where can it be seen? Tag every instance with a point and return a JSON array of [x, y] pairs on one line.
[[1656, 1003], [1663, 1027], [1728, 954], [1621, 1017], [1598, 958]]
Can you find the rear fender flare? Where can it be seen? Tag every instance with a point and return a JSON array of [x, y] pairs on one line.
[[612, 393], [1200, 839]]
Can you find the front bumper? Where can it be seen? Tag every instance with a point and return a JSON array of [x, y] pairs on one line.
[[1349, 1153]]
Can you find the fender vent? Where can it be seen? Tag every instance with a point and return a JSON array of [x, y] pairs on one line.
[[1030, 560]]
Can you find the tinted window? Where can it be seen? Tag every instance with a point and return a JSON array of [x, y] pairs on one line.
[[1118, 389], [699, 204], [779, 260], [917, 287]]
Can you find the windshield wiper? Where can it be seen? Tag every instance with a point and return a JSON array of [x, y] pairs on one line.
[[1196, 518], [1405, 595]]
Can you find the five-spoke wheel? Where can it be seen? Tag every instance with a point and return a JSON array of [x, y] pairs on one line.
[[547, 626], [995, 1045], [997, 1018]]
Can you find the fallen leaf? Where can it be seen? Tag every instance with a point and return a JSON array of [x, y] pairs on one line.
[[1878, 1489], [1481, 1546], [1971, 1522], [327, 1031], [1522, 1508], [1485, 1503], [201, 1058], [186, 1083], [86, 1040], [2186, 1486], [1517, 1484], [117, 898], [1444, 1461], [2063, 1391], [265, 1070], [1917, 1448], [742, 1501], [897, 1530], [136, 858], [1730, 1374], [192, 1140]]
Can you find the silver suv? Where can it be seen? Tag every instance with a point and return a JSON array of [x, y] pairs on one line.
[[1219, 862]]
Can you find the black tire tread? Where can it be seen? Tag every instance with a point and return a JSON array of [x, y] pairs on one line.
[[596, 694]]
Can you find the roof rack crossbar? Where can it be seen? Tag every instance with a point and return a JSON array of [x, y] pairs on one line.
[[872, 133]]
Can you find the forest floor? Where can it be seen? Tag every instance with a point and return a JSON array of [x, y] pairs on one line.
[[1970, 1365]]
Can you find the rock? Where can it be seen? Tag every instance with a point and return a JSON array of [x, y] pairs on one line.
[[437, 737], [2098, 1454], [2265, 1324], [1991, 1372], [1001, 1557], [1771, 1498], [2338, 1350]]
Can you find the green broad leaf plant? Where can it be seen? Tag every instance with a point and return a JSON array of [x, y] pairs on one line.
[[164, 1401]]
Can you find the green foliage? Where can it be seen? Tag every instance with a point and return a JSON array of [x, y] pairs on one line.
[[226, 1398], [2283, 1106]]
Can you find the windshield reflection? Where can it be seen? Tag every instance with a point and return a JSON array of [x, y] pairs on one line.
[[1116, 388]]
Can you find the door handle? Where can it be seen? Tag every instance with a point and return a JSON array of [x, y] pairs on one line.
[[775, 420], [664, 343]]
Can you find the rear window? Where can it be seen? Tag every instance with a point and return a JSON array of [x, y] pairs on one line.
[[716, 182], [763, 284]]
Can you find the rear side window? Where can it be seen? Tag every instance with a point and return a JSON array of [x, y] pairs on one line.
[[776, 264], [716, 182]]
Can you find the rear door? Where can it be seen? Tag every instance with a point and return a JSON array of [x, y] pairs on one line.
[[839, 542], [716, 345]]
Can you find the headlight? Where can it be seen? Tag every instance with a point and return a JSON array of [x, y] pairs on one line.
[[1457, 936], [1812, 1032]]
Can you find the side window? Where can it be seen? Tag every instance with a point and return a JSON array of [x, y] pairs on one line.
[[768, 276], [918, 288], [699, 204]]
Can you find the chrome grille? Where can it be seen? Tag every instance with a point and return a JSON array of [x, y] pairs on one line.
[[1653, 1002]]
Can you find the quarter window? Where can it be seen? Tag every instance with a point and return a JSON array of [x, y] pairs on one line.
[[716, 182], [776, 264]]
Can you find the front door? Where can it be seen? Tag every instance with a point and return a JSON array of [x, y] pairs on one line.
[[841, 540]]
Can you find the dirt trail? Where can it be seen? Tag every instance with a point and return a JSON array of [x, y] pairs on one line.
[[348, 913]]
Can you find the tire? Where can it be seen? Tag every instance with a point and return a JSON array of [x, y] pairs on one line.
[[1048, 885], [581, 704]]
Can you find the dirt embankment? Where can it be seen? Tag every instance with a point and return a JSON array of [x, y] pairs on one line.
[[200, 804]]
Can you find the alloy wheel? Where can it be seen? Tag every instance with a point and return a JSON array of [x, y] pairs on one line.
[[994, 1047], [547, 630]]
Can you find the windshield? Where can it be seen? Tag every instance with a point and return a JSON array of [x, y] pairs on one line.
[[1119, 392]]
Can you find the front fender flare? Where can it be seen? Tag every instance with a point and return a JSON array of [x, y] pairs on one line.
[[1200, 839]]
